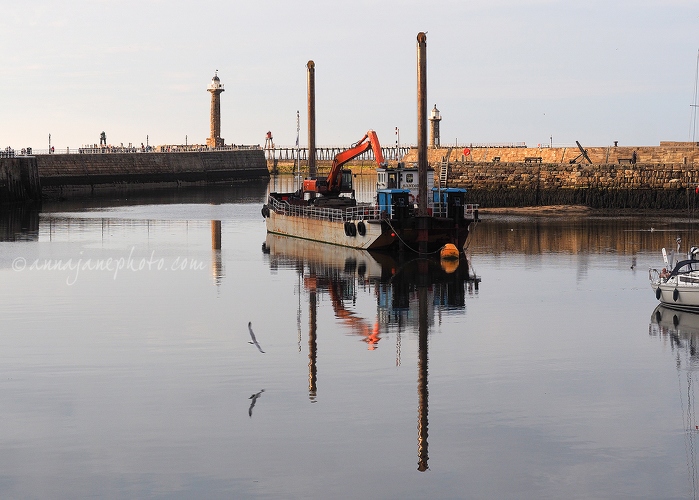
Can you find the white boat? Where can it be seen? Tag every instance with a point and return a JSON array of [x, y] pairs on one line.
[[676, 286]]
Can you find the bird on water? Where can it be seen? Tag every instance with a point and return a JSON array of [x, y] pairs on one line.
[[252, 336]]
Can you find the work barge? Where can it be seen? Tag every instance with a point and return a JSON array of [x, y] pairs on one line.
[[423, 221]]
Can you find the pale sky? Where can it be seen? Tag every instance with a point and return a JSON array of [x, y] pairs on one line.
[[498, 70]]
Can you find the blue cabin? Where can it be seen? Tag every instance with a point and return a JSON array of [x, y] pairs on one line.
[[449, 202], [395, 202]]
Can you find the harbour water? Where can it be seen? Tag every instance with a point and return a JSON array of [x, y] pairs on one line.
[[127, 368]]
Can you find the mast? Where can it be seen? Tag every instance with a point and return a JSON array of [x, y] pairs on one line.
[[312, 171], [422, 219], [694, 105]]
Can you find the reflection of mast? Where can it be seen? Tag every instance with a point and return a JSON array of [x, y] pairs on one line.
[[216, 263], [312, 345], [422, 380]]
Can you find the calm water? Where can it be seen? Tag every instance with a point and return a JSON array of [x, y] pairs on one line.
[[126, 368]]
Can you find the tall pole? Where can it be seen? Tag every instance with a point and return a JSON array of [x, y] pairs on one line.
[[398, 155], [422, 140], [312, 172], [695, 105], [297, 179]]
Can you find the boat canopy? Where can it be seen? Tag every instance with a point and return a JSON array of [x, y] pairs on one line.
[[684, 267]]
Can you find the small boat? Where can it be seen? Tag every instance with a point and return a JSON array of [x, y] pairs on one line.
[[676, 285], [319, 211]]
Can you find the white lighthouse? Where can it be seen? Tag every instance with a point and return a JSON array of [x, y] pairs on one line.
[[435, 118]]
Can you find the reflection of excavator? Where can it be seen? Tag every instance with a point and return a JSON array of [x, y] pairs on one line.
[[359, 326], [339, 180]]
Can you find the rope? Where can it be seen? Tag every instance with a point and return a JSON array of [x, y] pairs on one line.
[[408, 246]]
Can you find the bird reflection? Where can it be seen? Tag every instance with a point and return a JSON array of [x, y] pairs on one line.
[[252, 336], [254, 399]]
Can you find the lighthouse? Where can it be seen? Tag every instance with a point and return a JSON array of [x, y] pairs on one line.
[[215, 87], [435, 118]]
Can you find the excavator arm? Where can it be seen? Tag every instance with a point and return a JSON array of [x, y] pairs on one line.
[[332, 184]]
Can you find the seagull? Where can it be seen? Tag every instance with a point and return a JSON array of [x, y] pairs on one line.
[[252, 336], [254, 400]]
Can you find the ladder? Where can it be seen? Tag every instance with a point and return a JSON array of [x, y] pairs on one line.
[[444, 170]]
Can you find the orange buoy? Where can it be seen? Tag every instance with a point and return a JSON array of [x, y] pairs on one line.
[[449, 252]]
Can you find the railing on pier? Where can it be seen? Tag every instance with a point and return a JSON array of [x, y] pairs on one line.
[[94, 149], [483, 145], [329, 153]]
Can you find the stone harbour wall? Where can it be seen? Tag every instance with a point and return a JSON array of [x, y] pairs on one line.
[[662, 177], [61, 171], [667, 185]]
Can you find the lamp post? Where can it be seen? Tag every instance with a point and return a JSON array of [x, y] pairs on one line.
[[398, 144]]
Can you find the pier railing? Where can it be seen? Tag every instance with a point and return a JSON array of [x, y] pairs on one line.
[[94, 149], [329, 153]]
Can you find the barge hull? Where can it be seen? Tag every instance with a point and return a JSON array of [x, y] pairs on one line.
[[376, 236]]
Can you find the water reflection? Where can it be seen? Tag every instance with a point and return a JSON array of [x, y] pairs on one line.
[[252, 191], [216, 260], [19, 223], [583, 235], [409, 293], [681, 330]]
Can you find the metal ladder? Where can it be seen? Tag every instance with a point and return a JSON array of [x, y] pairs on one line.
[[444, 170]]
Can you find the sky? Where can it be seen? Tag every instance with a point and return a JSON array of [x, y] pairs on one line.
[[499, 71]]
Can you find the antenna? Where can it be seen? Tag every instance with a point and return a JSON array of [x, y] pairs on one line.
[[695, 105]]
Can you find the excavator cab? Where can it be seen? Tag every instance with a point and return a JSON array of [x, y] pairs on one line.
[[346, 182]]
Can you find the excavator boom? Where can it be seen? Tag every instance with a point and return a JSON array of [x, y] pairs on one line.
[[332, 185]]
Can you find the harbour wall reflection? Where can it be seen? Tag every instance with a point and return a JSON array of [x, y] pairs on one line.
[[585, 234], [408, 294], [19, 223], [251, 191]]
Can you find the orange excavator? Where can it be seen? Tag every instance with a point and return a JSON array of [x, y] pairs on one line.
[[339, 180]]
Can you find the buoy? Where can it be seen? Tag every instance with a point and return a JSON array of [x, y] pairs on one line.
[[675, 294], [658, 293], [449, 252], [361, 228]]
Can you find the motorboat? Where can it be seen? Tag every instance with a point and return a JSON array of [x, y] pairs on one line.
[[676, 285]]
